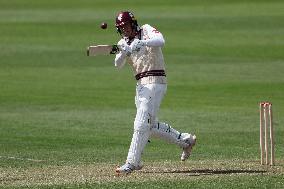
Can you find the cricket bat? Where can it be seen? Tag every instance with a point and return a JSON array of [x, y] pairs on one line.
[[102, 50]]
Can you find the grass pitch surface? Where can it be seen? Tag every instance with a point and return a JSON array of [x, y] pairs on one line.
[[66, 119]]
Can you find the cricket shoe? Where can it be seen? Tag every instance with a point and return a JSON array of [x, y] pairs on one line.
[[127, 168], [191, 140]]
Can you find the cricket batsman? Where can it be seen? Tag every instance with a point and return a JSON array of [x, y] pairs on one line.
[[141, 48]]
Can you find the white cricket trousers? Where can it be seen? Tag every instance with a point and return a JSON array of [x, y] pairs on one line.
[[148, 99]]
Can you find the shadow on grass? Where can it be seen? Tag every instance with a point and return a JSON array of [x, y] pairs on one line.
[[211, 172]]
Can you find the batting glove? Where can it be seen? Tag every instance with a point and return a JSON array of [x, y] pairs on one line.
[[136, 45], [126, 49]]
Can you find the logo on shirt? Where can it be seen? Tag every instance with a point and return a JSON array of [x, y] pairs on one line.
[[119, 17]]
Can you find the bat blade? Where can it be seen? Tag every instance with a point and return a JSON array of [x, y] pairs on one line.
[[102, 50]]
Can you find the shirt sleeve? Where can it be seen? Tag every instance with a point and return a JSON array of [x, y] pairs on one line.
[[152, 37]]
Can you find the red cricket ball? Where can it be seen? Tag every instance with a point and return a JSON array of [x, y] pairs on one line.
[[104, 25]]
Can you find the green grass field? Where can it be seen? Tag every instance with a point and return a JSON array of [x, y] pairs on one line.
[[66, 119]]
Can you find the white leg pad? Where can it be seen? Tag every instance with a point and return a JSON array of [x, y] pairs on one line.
[[140, 137], [166, 132], [138, 143]]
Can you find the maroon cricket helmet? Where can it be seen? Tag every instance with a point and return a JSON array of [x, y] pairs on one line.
[[125, 17]]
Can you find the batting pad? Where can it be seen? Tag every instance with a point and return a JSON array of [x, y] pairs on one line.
[[140, 137], [166, 132], [138, 143]]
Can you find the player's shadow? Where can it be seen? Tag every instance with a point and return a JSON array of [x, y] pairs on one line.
[[197, 172]]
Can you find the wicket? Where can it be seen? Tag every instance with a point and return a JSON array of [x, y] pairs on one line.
[[266, 126]]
